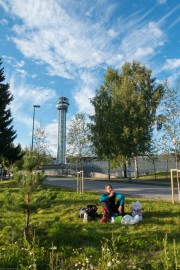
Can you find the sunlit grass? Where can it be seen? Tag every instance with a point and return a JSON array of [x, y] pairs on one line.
[[60, 239]]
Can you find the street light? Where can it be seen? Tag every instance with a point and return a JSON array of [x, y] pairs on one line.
[[35, 106]]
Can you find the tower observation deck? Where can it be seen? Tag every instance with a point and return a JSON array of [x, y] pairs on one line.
[[62, 106]]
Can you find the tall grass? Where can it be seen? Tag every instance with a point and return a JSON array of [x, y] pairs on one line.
[[60, 240]]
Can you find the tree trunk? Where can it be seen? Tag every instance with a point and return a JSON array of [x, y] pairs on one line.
[[154, 168], [136, 168], [125, 170], [167, 168], [109, 170], [177, 174], [27, 200], [129, 169]]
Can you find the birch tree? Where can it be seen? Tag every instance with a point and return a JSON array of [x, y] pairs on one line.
[[78, 138], [125, 111]]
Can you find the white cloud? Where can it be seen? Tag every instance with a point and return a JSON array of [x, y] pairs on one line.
[[172, 67], [4, 5], [171, 64], [112, 33], [161, 2], [168, 14], [33, 76], [8, 59], [25, 96], [52, 137], [174, 23], [18, 67], [143, 42], [84, 92], [23, 73], [52, 33], [82, 99], [57, 37], [142, 52], [116, 60], [172, 79], [20, 64], [3, 22]]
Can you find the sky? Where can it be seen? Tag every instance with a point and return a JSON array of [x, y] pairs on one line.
[[54, 48]]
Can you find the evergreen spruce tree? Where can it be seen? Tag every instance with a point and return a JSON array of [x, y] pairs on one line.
[[9, 153]]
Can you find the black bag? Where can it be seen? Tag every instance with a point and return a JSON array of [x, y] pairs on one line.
[[90, 210]]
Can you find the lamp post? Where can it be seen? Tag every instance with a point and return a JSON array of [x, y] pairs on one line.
[[35, 106]]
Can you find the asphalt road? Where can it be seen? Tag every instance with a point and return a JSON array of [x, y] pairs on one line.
[[151, 191]]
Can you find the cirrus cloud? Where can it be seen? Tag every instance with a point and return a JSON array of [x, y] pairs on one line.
[[172, 64]]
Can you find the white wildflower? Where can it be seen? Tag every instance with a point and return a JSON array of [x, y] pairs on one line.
[[53, 248], [87, 260], [109, 264]]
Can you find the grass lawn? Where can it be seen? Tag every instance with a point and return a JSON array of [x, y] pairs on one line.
[[165, 176], [60, 240]]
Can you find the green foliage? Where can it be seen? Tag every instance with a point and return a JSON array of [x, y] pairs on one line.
[[32, 160], [9, 153], [103, 121], [18, 165], [29, 184], [125, 112], [23, 255], [78, 141], [169, 117], [41, 148], [60, 240]]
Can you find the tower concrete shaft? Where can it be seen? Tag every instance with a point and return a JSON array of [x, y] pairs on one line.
[[62, 106]]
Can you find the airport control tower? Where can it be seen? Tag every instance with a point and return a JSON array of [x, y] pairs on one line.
[[62, 106]]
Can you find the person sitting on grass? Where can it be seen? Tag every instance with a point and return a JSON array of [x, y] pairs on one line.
[[111, 207]]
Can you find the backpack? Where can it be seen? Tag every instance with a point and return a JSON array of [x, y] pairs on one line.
[[90, 210]]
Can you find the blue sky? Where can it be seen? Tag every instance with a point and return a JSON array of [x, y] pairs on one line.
[[53, 48]]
